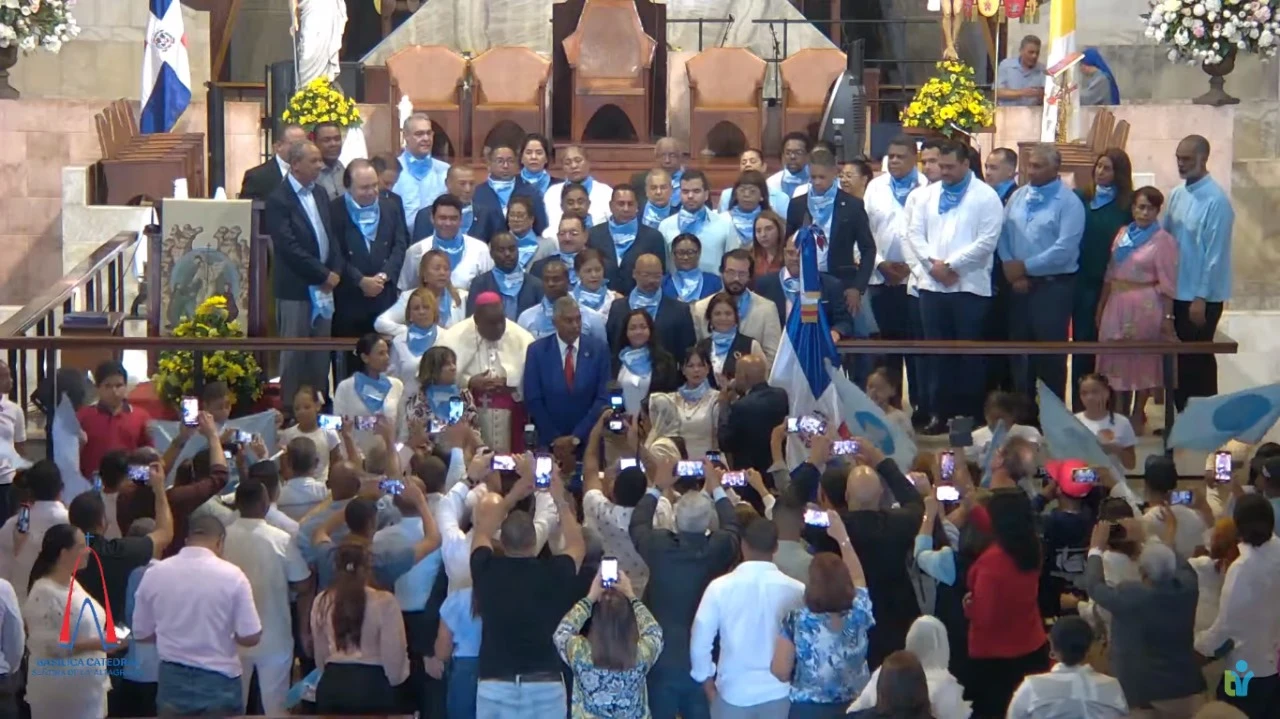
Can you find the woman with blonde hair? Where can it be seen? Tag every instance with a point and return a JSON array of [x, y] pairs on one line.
[[422, 315], [434, 275]]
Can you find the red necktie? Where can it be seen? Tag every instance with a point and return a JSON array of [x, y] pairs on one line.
[[568, 367]]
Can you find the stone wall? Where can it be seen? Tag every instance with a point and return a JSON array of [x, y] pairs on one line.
[[106, 59]]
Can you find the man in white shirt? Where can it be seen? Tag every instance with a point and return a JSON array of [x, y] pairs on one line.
[[198, 633], [301, 490], [1071, 689], [714, 230], [274, 567], [920, 385], [44, 481], [953, 235], [467, 256], [423, 176], [13, 439], [13, 638], [745, 609], [577, 170], [1160, 478]]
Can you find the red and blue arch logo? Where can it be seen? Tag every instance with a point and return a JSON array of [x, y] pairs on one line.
[[106, 624]]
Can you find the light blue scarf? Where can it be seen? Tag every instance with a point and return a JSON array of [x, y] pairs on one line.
[[790, 285], [438, 396], [745, 223], [1103, 195], [365, 218], [509, 284], [542, 324], [1038, 198], [688, 284], [527, 246], [468, 219], [902, 188], [692, 222], [445, 305], [419, 340], [451, 247], [792, 182], [418, 167], [722, 341], [568, 258], [654, 215], [1134, 238], [540, 180], [373, 392], [675, 179], [624, 234], [593, 299], [648, 302], [952, 194], [694, 395], [822, 207], [637, 361], [502, 188], [321, 303], [744, 305], [1002, 188]]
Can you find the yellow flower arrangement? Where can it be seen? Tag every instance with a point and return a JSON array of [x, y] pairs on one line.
[[320, 102], [174, 378], [949, 97]]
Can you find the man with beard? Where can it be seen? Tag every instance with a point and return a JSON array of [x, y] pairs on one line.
[[757, 317]]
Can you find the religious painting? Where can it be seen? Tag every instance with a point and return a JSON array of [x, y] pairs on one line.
[[205, 250]]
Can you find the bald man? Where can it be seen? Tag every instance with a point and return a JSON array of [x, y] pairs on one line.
[[747, 421], [667, 156], [671, 318]]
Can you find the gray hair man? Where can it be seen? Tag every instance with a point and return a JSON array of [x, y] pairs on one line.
[[423, 177]]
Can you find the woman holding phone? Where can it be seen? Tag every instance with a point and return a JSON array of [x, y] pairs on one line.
[[439, 400], [371, 391]]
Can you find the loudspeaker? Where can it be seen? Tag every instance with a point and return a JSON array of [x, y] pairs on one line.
[[844, 121], [280, 87]]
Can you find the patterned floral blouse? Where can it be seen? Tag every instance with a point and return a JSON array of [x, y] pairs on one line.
[[831, 665], [606, 693]]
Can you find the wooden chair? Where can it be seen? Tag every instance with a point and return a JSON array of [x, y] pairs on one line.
[[432, 77], [509, 84], [144, 166], [725, 85], [610, 55], [806, 79], [1078, 158]]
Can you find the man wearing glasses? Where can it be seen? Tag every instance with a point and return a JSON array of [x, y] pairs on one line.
[[504, 183]]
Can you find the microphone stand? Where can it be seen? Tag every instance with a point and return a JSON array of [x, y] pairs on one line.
[[777, 73]]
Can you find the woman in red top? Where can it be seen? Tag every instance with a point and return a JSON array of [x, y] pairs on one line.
[[1006, 633]]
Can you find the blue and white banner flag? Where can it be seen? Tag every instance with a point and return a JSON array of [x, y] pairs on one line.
[[66, 450], [1068, 438], [998, 436], [1210, 422], [261, 424], [865, 419], [166, 68]]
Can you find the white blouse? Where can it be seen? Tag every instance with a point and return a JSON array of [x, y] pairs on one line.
[[392, 322], [81, 691], [404, 363], [635, 388], [475, 261], [347, 403], [695, 423]]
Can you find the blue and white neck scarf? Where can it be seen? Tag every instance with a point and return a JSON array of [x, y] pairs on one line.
[[588, 183], [694, 395], [722, 341], [568, 259], [372, 392], [744, 222], [624, 234], [527, 246], [822, 207], [675, 179], [649, 302], [654, 215], [540, 179], [592, 299], [1103, 195], [792, 182], [321, 303], [902, 188], [1002, 188], [688, 284], [419, 339], [1134, 238], [1039, 198], [445, 304], [509, 283], [502, 188], [418, 167], [451, 247], [438, 396], [744, 305], [637, 361], [468, 219], [790, 285], [542, 324], [365, 218], [692, 222], [952, 194]]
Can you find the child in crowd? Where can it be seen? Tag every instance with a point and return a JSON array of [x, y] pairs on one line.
[[1112, 429], [306, 414], [458, 652], [888, 397], [1000, 407]]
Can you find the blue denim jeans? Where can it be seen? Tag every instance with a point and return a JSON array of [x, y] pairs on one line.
[[463, 675], [520, 700], [190, 691], [674, 693]]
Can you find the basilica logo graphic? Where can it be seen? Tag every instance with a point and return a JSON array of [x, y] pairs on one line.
[[106, 624], [83, 662], [1236, 683]]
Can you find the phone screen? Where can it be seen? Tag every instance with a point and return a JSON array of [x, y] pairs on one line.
[[243, 437], [366, 423], [816, 518], [1222, 467], [139, 473], [844, 446], [330, 422], [1180, 496], [455, 410], [436, 426], [190, 411], [948, 463], [734, 479], [615, 401], [503, 462], [609, 571], [24, 519], [391, 486], [947, 493], [812, 425], [714, 457], [1085, 475], [616, 425], [690, 468], [542, 471], [793, 424]]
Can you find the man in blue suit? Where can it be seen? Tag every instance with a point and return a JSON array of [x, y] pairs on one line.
[[566, 381], [478, 221], [504, 183]]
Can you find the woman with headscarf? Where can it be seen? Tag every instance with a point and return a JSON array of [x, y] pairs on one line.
[[1099, 86], [927, 639]]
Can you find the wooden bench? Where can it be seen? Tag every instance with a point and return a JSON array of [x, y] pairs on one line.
[[144, 166]]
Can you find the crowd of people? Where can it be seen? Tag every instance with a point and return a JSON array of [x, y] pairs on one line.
[[553, 477]]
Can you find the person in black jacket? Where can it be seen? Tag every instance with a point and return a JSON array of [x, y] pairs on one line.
[[504, 182], [750, 409], [671, 317], [843, 219], [681, 565], [779, 288], [259, 182], [307, 266], [371, 233], [624, 238], [478, 221], [518, 289], [639, 351]]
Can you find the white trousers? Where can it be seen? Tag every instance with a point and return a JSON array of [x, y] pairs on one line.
[[275, 672]]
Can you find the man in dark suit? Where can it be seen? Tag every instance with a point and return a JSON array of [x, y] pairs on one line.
[[669, 158], [843, 219], [783, 289], [259, 182], [388, 169], [566, 381], [480, 222], [1001, 169], [623, 238], [754, 408], [371, 233], [518, 289], [306, 267], [504, 183], [671, 318]]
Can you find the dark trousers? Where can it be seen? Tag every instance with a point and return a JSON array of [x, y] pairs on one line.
[[1041, 315], [10, 684], [1262, 700], [355, 689], [1198, 373], [958, 381], [919, 370], [999, 368], [1000, 678], [6, 501], [422, 692], [131, 699], [1084, 328], [889, 304], [674, 693]]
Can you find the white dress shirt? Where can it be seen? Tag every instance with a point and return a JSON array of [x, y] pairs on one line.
[[1068, 693], [299, 495], [567, 350], [13, 431], [281, 521], [13, 637], [1247, 611], [270, 562], [455, 547], [908, 252], [597, 204], [16, 566], [888, 221], [965, 237], [475, 261], [745, 608], [306, 196]]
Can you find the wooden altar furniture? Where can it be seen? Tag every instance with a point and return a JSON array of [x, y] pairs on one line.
[[806, 81], [610, 55], [144, 166], [1078, 158], [432, 77], [725, 85], [509, 84]]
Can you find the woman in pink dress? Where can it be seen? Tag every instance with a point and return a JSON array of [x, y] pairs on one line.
[[1137, 303]]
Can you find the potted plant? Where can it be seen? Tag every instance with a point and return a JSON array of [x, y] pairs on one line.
[[30, 25], [949, 100], [1211, 32], [318, 101], [175, 379]]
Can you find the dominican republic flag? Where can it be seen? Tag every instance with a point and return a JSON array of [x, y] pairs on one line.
[[166, 69]]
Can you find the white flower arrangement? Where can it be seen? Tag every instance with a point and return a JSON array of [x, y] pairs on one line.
[[32, 24], [1206, 31]]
